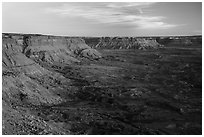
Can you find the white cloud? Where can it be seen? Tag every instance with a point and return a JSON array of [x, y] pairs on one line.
[[130, 4], [114, 13]]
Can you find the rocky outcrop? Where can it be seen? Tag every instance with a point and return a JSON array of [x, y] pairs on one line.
[[141, 42], [21, 55], [94, 54], [123, 43], [25, 81], [18, 74], [52, 48]]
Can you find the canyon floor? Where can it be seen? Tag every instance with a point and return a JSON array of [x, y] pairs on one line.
[[155, 91]]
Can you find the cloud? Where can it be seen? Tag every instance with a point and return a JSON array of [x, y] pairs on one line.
[[130, 14], [129, 4], [136, 5]]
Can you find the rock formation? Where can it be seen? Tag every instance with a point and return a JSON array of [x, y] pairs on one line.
[[25, 81], [141, 42], [123, 43]]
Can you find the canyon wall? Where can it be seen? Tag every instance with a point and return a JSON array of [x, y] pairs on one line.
[[23, 55], [26, 80], [123, 43], [141, 43]]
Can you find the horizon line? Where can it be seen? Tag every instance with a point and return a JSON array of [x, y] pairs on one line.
[[98, 36]]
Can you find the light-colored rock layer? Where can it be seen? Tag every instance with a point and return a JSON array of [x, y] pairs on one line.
[[123, 43]]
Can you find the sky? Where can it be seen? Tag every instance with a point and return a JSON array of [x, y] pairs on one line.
[[103, 18]]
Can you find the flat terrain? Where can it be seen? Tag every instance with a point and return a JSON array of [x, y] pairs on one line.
[[131, 92]]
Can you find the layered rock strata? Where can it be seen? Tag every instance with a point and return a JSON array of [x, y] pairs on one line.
[[123, 43]]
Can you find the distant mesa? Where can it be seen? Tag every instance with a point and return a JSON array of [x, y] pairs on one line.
[[142, 43]]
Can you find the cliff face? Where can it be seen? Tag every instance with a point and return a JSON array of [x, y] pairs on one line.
[[141, 42], [123, 43], [23, 55], [53, 48], [26, 82]]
